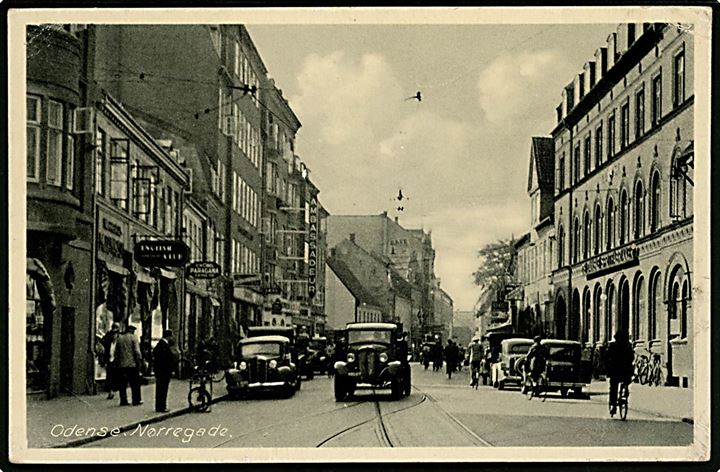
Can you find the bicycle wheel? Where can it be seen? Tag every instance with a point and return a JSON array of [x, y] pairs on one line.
[[199, 399], [644, 374], [659, 377], [218, 376], [623, 401]]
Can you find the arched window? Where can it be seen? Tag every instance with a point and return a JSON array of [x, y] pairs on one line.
[[596, 313], [610, 224], [561, 246], [654, 302], [638, 308], [609, 312], [639, 210], [586, 235], [598, 230], [684, 310], [655, 202], [673, 309], [586, 316], [576, 240], [678, 191], [624, 216]]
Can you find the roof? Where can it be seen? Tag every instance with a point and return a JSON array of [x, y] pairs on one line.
[[273, 338], [348, 279], [560, 342], [516, 341], [542, 159], [360, 326]]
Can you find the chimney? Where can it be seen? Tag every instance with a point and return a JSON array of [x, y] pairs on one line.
[[352, 237]]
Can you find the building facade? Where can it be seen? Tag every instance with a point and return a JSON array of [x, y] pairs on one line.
[[623, 205]]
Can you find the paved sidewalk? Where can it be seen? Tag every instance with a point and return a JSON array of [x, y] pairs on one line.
[[44, 417], [665, 402]]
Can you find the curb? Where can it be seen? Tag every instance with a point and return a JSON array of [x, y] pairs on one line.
[[127, 427]]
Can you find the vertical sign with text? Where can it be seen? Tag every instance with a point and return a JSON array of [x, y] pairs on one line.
[[312, 248]]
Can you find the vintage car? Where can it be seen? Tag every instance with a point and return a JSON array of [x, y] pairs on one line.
[[376, 357], [509, 367], [491, 348], [317, 357], [565, 369], [299, 345], [264, 363]]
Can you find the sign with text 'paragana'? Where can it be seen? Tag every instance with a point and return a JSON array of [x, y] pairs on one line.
[[203, 270], [167, 252], [312, 248]]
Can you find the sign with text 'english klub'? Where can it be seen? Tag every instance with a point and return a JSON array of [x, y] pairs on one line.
[[157, 253]]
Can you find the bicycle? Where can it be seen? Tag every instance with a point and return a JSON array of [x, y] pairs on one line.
[[199, 396], [623, 400], [655, 375], [641, 367]]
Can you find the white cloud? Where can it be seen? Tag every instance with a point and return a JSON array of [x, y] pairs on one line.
[[514, 87]]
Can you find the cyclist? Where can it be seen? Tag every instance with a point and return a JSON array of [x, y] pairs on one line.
[[536, 359], [476, 354], [620, 356]]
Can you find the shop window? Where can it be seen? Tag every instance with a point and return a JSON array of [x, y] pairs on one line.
[[34, 118], [119, 172], [56, 120], [36, 363], [673, 309], [609, 311], [654, 302], [597, 313], [684, 310], [638, 308], [586, 316]]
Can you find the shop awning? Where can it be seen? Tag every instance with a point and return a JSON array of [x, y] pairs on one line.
[[144, 276], [38, 271], [168, 274], [214, 301], [116, 269]]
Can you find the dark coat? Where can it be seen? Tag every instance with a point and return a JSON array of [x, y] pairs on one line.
[[619, 358], [164, 359]]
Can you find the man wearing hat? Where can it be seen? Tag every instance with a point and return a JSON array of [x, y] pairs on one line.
[[129, 361], [164, 362]]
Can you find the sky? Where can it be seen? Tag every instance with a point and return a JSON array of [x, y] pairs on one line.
[[461, 155]]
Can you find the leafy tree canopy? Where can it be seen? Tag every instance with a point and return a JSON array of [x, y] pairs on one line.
[[497, 265]]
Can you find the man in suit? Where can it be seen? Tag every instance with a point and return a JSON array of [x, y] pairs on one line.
[[129, 361], [164, 362]]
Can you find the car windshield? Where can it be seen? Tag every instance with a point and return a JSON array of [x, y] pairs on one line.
[[260, 349], [374, 336], [519, 348], [563, 353], [317, 345]]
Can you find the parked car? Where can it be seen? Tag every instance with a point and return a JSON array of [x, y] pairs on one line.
[[263, 363], [509, 367], [376, 357], [565, 369]]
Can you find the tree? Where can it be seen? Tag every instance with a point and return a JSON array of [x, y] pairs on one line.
[[497, 266]]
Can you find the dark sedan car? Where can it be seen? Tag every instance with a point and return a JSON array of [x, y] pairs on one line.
[[264, 363]]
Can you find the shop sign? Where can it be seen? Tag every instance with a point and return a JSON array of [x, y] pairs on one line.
[[623, 257], [501, 306], [169, 252], [203, 270], [246, 280], [312, 247], [111, 237], [247, 295]]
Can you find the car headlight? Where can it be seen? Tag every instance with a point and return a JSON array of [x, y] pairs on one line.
[[351, 357], [383, 357], [273, 364], [243, 365]]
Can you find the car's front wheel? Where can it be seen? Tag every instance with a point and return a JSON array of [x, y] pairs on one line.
[[396, 388]]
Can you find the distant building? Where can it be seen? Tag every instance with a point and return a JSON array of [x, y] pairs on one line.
[[348, 301], [464, 326]]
